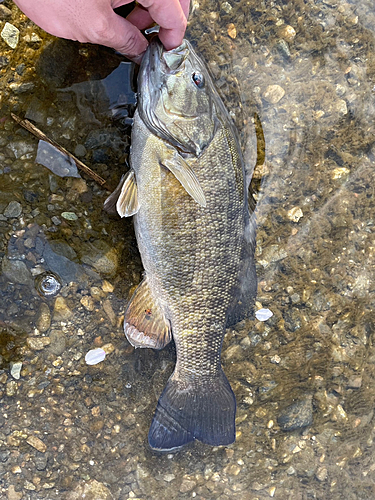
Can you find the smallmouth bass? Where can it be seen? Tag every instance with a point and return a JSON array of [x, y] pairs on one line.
[[188, 192]]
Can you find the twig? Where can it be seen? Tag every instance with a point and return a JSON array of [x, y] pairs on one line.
[[40, 135]]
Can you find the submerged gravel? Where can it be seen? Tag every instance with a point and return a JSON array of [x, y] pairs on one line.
[[304, 378]]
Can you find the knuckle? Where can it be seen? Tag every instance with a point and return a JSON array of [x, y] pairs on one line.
[[130, 45], [100, 30]]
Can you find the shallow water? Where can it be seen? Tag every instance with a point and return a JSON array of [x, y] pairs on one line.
[[307, 70]]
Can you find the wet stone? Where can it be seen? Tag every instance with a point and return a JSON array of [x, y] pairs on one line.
[[16, 271], [4, 455], [321, 474], [92, 490], [296, 416], [58, 342], [80, 150], [15, 369], [61, 310], [4, 61], [101, 256], [13, 494], [36, 443], [44, 318], [38, 343], [273, 94], [5, 12], [10, 34], [13, 210], [187, 485], [11, 388]]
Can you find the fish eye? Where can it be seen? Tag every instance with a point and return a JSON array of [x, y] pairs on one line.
[[198, 79]]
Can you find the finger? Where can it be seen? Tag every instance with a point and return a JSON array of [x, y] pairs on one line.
[[171, 19], [114, 31], [185, 5], [140, 17]]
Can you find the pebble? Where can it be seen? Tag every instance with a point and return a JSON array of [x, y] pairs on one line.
[[231, 29], [13, 494], [88, 303], [295, 214], [10, 34], [355, 382], [107, 287], [275, 359], [263, 314], [321, 474], [15, 369], [288, 33], [69, 216], [169, 477], [109, 311], [273, 94], [20, 88], [44, 318], [4, 12], [95, 356], [32, 39], [226, 7], [11, 388], [187, 485], [13, 210], [273, 253], [58, 342], [108, 348], [339, 172], [38, 343], [296, 416], [91, 490], [80, 150], [36, 443], [61, 311]]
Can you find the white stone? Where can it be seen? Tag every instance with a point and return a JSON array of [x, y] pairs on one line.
[[10, 34], [263, 314], [95, 356]]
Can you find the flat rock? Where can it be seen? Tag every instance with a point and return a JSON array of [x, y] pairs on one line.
[[296, 416], [16, 271], [92, 490]]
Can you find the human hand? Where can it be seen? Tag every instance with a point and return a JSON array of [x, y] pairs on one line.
[[94, 21]]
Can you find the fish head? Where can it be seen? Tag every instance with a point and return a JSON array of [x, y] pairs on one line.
[[176, 98]]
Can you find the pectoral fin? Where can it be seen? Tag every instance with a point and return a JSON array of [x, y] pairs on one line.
[[124, 197], [145, 324], [127, 203], [186, 176]]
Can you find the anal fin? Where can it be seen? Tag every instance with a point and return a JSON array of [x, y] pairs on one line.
[[145, 324]]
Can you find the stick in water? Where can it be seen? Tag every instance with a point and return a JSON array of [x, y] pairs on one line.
[[40, 135]]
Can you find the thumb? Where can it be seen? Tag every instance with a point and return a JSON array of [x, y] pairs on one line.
[[114, 31]]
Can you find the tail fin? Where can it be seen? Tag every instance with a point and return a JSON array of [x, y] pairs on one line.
[[202, 409]]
